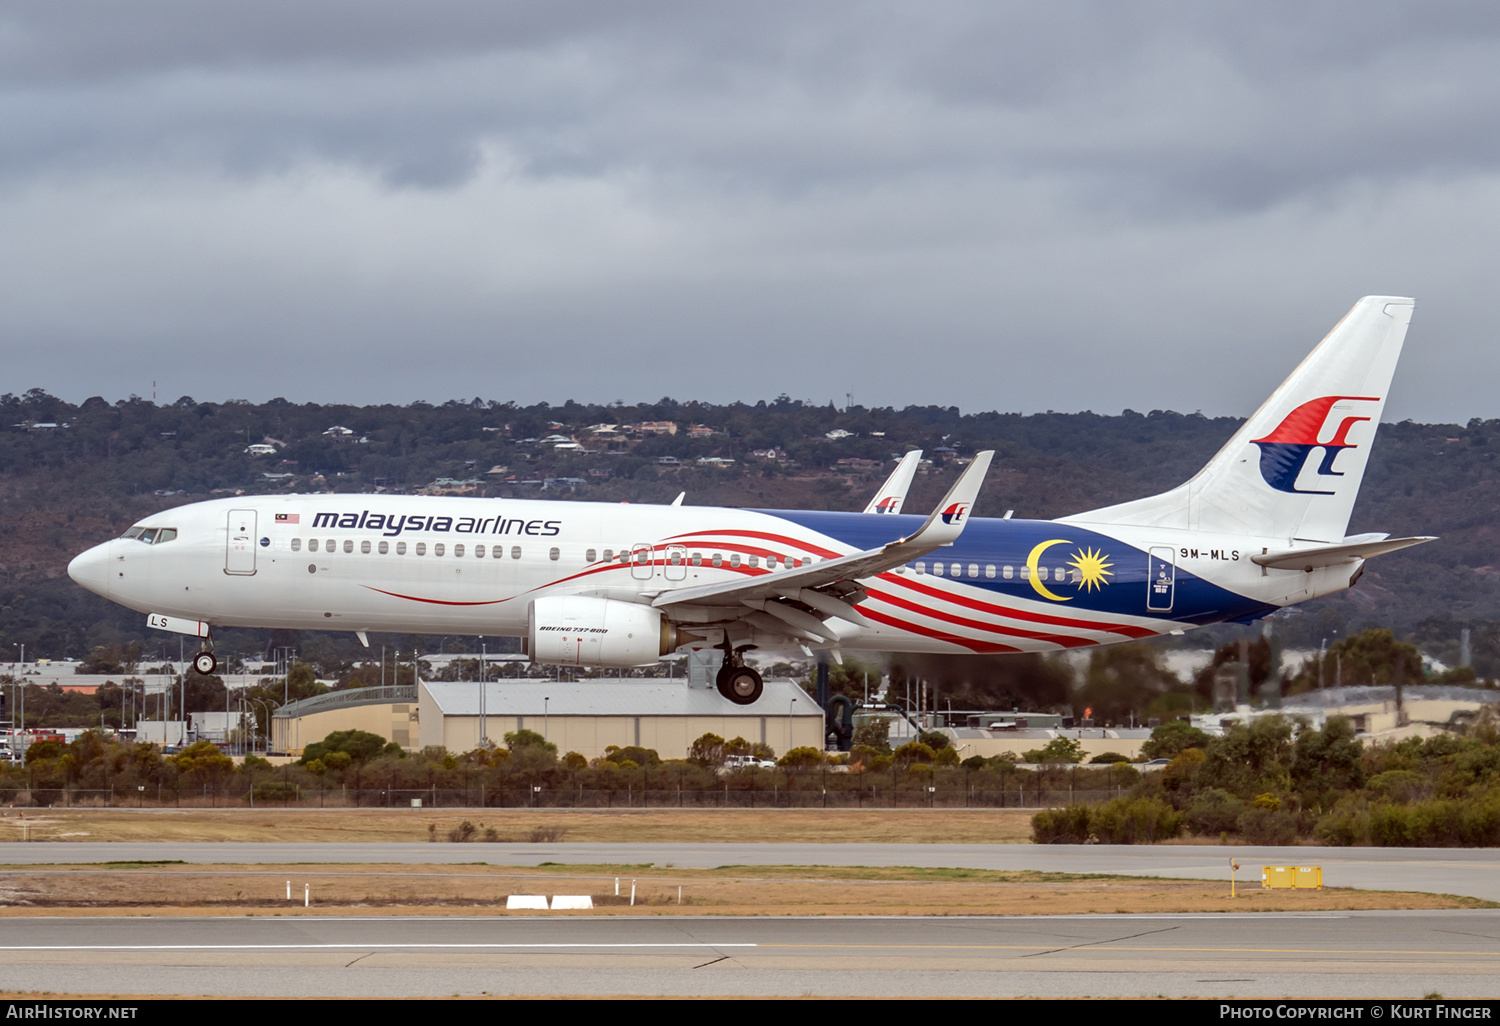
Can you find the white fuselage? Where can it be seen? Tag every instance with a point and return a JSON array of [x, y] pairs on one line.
[[420, 564]]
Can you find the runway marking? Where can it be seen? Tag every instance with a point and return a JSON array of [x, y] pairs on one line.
[[1043, 949], [352, 945]]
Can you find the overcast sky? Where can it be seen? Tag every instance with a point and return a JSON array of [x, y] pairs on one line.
[[996, 206]]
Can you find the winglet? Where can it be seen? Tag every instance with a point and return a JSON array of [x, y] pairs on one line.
[[892, 494], [947, 521]]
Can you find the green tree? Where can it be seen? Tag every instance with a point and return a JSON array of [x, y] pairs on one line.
[[1172, 738], [801, 758], [873, 732], [1059, 749], [707, 751], [359, 745]]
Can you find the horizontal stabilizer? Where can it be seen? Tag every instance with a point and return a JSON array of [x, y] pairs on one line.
[[1331, 555]]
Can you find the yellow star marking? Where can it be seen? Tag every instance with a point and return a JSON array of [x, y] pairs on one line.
[[1092, 566]]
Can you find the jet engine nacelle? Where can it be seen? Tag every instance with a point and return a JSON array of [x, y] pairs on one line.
[[580, 631]]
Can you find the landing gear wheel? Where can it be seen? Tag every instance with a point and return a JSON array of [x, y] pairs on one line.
[[740, 684], [205, 663]]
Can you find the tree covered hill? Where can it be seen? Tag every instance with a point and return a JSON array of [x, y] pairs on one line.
[[72, 475]]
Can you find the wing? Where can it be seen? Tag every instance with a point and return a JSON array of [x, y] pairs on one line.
[[805, 584], [892, 494]]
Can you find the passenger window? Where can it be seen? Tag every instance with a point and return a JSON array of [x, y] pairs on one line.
[[479, 552], [421, 548], [364, 547], [331, 545], [989, 570], [1041, 573], [553, 553], [458, 550], [1025, 573], [438, 549], [385, 547], [296, 544], [167, 534], [515, 552], [717, 560], [592, 556], [734, 559], [956, 570], [770, 562], [312, 545], [938, 568], [401, 548], [609, 555], [921, 567], [755, 561], [697, 559], [1007, 573], [348, 545], [973, 569]]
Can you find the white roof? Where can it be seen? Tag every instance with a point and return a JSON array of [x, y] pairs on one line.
[[613, 698]]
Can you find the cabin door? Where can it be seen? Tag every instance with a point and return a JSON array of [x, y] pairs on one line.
[[1161, 579], [239, 551]]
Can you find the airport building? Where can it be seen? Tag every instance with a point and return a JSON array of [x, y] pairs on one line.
[[578, 716]]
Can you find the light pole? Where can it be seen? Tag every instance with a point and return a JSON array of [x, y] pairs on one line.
[[545, 700], [790, 723], [484, 724]]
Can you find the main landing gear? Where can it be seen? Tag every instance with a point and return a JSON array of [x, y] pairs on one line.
[[736, 681]]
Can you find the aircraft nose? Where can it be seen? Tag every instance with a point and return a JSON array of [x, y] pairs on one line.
[[91, 569]]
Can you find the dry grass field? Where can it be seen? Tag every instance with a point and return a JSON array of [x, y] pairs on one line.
[[885, 826], [179, 890]]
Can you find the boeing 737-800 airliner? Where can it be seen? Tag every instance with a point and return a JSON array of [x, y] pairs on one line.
[[591, 584]]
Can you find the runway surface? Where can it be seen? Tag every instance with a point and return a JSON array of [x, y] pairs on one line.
[[1342, 955], [1472, 872]]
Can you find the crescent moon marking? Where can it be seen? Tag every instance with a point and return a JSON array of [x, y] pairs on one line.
[[1036, 582]]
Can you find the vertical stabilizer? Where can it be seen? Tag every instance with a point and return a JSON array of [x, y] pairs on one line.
[[1293, 470]]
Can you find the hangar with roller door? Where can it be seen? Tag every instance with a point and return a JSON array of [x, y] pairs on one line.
[[589, 716]]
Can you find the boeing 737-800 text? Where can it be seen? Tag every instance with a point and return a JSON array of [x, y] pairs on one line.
[[590, 584]]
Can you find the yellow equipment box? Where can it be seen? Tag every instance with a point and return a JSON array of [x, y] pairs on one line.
[[1292, 876]]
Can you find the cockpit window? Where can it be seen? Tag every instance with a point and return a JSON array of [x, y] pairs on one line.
[[151, 535]]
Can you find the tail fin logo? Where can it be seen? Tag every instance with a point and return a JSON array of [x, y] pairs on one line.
[[889, 504], [1285, 451], [954, 514]]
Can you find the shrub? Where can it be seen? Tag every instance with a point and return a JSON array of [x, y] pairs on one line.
[[275, 791], [1061, 826], [1347, 824], [1267, 826], [1135, 821], [1213, 812]]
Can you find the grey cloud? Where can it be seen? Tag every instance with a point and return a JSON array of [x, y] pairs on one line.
[[1033, 205]]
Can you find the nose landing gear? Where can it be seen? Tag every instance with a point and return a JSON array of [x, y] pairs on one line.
[[205, 662]]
